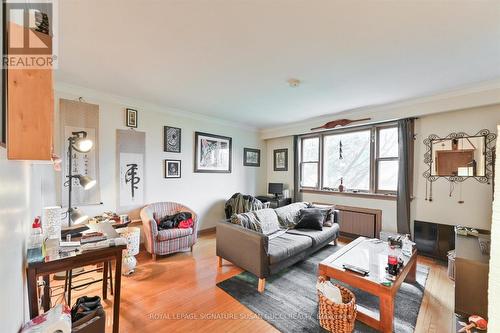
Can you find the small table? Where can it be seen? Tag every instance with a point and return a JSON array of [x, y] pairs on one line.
[[366, 254], [67, 263]]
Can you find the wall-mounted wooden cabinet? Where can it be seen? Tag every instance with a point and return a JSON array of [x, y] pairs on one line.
[[30, 114]]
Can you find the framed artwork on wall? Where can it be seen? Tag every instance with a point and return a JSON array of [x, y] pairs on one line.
[[212, 153], [131, 118], [172, 169], [251, 157], [281, 159], [171, 139]]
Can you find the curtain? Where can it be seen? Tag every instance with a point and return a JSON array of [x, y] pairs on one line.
[[405, 174], [297, 196]]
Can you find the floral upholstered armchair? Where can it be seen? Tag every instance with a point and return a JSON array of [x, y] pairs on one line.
[[161, 242]]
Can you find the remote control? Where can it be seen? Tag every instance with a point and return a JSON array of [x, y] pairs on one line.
[[355, 269]]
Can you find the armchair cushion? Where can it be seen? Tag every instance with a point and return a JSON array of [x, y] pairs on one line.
[[167, 234]]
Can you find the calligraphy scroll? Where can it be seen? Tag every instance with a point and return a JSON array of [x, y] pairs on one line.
[[78, 116], [130, 156]]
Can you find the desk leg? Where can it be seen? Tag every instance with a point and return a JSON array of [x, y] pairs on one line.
[[70, 285], [46, 293], [105, 280], [116, 298], [32, 293]]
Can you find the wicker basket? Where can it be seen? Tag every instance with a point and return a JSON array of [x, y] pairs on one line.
[[337, 318]]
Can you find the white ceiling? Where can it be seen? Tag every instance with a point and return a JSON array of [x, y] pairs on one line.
[[231, 59]]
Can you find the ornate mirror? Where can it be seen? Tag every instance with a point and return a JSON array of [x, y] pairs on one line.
[[459, 156]]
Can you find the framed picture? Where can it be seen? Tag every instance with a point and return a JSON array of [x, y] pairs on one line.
[[281, 159], [251, 157], [212, 153], [171, 139], [131, 118], [172, 168]]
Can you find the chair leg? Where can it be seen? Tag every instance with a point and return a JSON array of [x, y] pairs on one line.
[[335, 242], [220, 261], [262, 285], [192, 248], [154, 257]]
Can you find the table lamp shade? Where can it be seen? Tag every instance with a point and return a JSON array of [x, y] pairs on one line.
[[51, 222]]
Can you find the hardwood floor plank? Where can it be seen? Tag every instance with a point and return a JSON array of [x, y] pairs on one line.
[[178, 293]]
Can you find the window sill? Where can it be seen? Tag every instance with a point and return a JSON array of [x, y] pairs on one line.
[[378, 196]]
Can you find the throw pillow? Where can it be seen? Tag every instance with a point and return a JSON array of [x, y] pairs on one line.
[[268, 220], [330, 213], [288, 215], [311, 218]]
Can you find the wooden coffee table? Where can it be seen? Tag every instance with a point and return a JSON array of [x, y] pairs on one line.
[[372, 256]]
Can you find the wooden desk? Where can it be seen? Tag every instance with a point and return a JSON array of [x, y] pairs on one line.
[[51, 266]]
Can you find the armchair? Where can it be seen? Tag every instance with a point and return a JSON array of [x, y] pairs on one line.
[[161, 242]]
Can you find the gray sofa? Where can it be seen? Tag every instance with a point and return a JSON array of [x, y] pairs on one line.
[[264, 255]]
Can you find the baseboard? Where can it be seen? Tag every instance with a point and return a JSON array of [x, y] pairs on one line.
[[206, 231]]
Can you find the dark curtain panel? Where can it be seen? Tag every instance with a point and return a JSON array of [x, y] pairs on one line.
[[297, 196], [405, 175]]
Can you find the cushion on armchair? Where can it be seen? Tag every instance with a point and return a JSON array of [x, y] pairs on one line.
[[167, 234]]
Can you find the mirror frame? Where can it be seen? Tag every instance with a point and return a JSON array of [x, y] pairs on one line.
[[488, 163]]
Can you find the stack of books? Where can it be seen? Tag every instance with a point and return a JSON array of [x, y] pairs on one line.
[[92, 237]]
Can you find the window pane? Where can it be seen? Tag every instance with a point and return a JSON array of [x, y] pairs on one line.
[[310, 149], [388, 175], [309, 177], [354, 166], [388, 144]]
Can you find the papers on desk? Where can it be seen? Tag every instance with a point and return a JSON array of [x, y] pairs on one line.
[[103, 244]]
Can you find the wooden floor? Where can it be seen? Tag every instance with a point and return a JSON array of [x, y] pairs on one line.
[[178, 293]]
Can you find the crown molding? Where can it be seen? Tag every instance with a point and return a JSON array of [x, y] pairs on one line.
[[471, 96], [90, 94]]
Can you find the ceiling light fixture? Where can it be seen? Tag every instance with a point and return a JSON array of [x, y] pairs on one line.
[[294, 83]]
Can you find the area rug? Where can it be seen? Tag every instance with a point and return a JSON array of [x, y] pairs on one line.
[[289, 302]]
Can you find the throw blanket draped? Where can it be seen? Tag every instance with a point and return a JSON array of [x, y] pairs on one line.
[[241, 203]]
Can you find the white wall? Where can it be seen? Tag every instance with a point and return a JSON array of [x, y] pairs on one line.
[[477, 197], [494, 276], [19, 203], [206, 193], [285, 177], [475, 212]]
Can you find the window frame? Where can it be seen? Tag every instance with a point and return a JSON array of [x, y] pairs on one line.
[[374, 160], [301, 163]]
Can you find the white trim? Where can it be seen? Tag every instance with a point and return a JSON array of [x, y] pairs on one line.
[[128, 102], [481, 94]]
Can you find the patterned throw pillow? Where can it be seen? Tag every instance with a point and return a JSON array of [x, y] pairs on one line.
[[288, 215], [268, 220]]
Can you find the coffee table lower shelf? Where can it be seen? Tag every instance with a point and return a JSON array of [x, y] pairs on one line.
[[384, 321]]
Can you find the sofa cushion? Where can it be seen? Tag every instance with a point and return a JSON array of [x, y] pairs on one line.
[[263, 220], [311, 218], [268, 220], [317, 236], [167, 234], [286, 246], [331, 215], [288, 215], [247, 220]]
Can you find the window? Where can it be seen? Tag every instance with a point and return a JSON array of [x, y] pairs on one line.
[[387, 160], [309, 167], [365, 160]]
